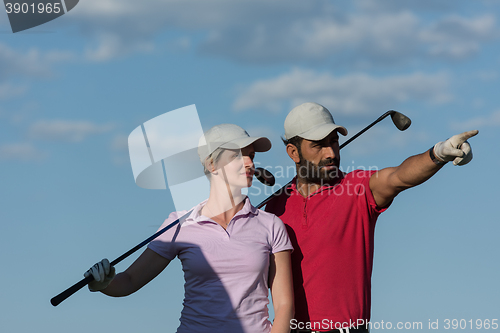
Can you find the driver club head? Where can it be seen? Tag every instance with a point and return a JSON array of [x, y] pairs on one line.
[[401, 121], [265, 176]]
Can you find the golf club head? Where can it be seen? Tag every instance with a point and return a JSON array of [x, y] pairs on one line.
[[401, 121], [264, 176]]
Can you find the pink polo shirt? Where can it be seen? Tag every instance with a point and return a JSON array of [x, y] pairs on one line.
[[225, 271]]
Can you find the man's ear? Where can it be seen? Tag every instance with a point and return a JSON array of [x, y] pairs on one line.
[[293, 152]]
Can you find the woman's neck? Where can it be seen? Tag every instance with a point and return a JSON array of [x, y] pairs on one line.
[[223, 204]]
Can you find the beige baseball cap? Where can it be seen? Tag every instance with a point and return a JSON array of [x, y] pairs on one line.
[[229, 136], [311, 121]]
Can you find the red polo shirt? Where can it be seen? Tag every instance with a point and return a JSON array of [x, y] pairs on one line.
[[332, 233]]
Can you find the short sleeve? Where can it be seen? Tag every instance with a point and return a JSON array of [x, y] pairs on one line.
[[280, 239], [165, 244], [364, 176]]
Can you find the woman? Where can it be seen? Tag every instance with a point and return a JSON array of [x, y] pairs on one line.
[[230, 251]]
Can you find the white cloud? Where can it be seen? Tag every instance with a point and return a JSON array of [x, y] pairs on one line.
[[398, 5], [349, 94], [359, 38], [487, 76], [20, 152], [119, 149], [189, 14], [458, 37], [363, 33], [458, 28], [489, 120], [8, 90], [65, 130], [13, 62], [110, 46], [32, 62], [121, 27], [17, 65], [182, 44], [120, 143]]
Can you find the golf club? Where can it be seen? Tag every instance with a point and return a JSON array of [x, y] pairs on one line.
[[401, 121], [263, 175]]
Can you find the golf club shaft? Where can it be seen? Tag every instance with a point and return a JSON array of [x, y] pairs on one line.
[[379, 119]]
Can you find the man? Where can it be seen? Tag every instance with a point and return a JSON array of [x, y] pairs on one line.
[[330, 217]]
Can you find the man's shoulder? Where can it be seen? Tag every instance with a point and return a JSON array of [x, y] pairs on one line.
[[358, 174], [278, 201]]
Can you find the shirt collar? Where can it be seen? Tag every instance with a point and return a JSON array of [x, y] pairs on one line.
[[196, 216]]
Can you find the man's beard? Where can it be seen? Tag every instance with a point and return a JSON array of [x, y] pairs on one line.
[[314, 173]]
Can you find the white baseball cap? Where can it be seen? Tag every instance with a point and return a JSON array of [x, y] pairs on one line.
[[229, 136], [311, 121]]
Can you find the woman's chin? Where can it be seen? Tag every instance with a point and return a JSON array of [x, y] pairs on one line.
[[243, 184], [247, 182]]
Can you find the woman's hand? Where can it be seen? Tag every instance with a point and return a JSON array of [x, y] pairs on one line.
[[103, 274], [144, 269]]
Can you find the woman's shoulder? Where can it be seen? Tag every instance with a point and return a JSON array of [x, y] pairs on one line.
[[268, 218], [192, 213], [176, 214]]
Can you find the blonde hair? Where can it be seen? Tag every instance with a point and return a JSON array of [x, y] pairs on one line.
[[213, 158]]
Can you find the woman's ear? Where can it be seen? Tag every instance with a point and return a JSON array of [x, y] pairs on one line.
[[293, 152], [210, 166]]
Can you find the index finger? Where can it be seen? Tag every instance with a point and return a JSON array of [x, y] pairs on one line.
[[462, 137]]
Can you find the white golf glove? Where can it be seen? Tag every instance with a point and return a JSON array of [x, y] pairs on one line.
[[103, 273], [456, 148]]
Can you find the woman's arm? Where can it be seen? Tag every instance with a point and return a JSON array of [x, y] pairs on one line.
[[144, 269], [280, 282]]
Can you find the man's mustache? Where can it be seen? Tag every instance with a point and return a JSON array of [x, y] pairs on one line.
[[328, 162]]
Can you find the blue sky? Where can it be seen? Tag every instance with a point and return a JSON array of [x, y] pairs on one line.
[[72, 90]]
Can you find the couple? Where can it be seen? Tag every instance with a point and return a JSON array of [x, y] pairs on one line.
[[232, 253]]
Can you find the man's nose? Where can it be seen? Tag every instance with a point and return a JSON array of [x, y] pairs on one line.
[[328, 152], [247, 161]]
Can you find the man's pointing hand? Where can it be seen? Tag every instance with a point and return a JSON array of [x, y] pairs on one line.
[[456, 148]]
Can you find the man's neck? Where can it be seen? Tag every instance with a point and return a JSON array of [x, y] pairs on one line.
[[306, 188]]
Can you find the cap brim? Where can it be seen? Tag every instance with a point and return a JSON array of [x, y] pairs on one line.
[[260, 144], [322, 131]]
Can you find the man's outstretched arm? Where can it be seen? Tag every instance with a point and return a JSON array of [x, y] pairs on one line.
[[387, 183]]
